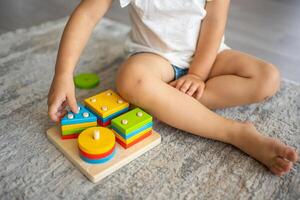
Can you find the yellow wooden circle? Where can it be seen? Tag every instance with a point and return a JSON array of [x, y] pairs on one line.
[[105, 143]]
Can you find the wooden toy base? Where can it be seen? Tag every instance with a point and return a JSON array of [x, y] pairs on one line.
[[96, 172]]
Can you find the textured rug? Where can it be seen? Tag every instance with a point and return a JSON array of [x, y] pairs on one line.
[[182, 167]]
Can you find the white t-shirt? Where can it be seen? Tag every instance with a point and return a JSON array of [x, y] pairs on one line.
[[169, 28]]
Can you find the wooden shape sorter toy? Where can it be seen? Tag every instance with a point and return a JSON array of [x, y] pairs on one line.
[[72, 124], [106, 106], [113, 157], [99, 151]]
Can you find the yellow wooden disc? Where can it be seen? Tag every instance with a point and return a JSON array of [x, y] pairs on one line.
[[88, 144]]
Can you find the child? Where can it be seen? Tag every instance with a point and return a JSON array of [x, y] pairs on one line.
[[179, 70]]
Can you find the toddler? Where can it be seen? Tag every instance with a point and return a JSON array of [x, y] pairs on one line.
[[179, 69]]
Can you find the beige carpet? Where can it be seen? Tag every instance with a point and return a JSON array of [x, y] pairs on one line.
[[182, 167]]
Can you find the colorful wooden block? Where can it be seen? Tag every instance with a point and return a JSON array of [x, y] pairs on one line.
[[96, 145], [131, 121], [132, 127], [83, 116], [72, 124], [88, 144], [106, 103]]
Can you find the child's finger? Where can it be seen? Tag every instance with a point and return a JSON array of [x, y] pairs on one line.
[[72, 103], [52, 111], [61, 114], [197, 95], [64, 103], [185, 86], [179, 83], [193, 88], [199, 92], [63, 106], [173, 83]]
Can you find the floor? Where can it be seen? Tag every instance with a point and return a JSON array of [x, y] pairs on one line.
[[268, 29]]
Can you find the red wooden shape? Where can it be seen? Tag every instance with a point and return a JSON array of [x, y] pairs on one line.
[[96, 157], [103, 124], [71, 136], [126, 146]]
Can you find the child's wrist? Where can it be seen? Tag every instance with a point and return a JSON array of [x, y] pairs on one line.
[[61, 76], [64, 69], [63, 72], [200, 76]]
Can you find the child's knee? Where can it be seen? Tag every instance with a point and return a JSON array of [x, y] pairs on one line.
[[268, 81], [132, 84]]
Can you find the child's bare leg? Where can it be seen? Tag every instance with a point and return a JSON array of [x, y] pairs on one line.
[[238, 79], [142, 80]]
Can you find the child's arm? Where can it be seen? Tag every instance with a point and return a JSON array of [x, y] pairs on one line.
[[74, 39], [211, 33], [210, 36]]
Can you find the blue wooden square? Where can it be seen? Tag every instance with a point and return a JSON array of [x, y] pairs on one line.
[[83, 116]]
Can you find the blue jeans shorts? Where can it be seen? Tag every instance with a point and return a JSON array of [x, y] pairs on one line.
[[179, 72]]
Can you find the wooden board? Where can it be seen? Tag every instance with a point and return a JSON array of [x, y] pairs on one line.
[[99, 171]]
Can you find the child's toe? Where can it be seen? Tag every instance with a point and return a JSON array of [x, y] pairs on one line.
[[283, 164], [285, 152], [291, 154], [276, 170]]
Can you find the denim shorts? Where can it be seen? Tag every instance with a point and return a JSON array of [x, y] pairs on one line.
[[179, 72]]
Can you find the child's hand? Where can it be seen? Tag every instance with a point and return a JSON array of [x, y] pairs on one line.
[[61, 94], [190, 84]]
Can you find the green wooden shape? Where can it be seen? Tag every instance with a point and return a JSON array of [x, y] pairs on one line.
[[86, 80], [134, 122], [72, 131]]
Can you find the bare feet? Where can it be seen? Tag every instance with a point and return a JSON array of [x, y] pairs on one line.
[[278, 157]]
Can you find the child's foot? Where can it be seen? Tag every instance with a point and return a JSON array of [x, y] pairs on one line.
[[278, 157]]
